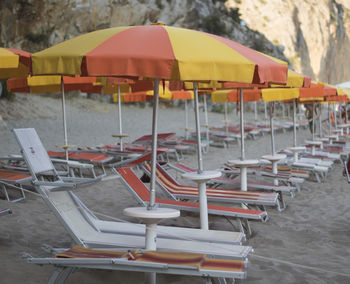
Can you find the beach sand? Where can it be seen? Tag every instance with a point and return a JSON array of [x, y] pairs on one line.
[[306, 243]]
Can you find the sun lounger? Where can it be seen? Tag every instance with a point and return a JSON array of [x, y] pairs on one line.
[[251, 184], [13, 179], [87, 230], [147, 139], [5, 212], [176, 190], [140, 191], [86, 157], [189, 264]]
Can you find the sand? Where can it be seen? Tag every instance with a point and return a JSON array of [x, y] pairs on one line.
[[298, 245]]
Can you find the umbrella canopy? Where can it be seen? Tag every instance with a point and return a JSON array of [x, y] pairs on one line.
[[14, 63], [160, 52], [181, 54]]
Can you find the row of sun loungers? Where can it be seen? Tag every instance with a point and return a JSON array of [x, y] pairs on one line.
[[93, 235], [216, 255]]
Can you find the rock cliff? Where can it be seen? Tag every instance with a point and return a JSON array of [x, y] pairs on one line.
[[36, 24], [312, 34]]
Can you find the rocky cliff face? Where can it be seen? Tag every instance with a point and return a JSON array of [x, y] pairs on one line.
[[36, 24], [314, 33]]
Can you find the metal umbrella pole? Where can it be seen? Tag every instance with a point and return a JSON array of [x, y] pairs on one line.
[[152, 214], [329, 119], [186, 120], [273, 150], [64, 120], [225, 118], [265, 111], [241, 118], [206, 120], [255, 111], [120, 119], [294, 124], [320, 122], [313, 121], [152, 192]]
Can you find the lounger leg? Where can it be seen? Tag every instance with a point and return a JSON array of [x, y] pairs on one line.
[[60, 274], [281, 204], [64, 274], [5, 192], [219, 280], [207, 280], [244, 227]]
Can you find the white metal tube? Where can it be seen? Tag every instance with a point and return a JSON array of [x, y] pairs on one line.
[[320, 122], [275, 171], [226, 119], [265, 110], [255, 111], [152, 196], [272, 129], [241, 123], [244, 186], [203, 203], [313, 121], [335, 117], [186, 120], [120, 119], [329, 119], [64, 118], [198, 129], [294, 124], [151, 237], [206, 119]]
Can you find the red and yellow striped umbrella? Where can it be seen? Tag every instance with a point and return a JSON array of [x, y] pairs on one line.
[[158, 51], [14, 63]]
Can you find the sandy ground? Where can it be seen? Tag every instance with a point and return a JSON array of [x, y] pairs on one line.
[[298, 245]]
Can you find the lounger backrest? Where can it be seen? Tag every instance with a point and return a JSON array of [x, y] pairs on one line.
[[69, 213], [184, 167], [33, 151], [148, 138], [134, 183], [164, 179]]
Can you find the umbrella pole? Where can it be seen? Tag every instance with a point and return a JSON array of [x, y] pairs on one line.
[[226, 121], [272, 130], [202, 188], [206, 119], [152, 193], [329, 119], [241, 120], [320, 122], [120, 119], [294, 124], [186, 120], [335, 118], [313, 121], [255, 111], [265, 111], [64, 119], [199, 146]]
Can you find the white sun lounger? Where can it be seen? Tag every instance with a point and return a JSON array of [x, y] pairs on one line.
[[86, 230], [141, 192], [211, 270]]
